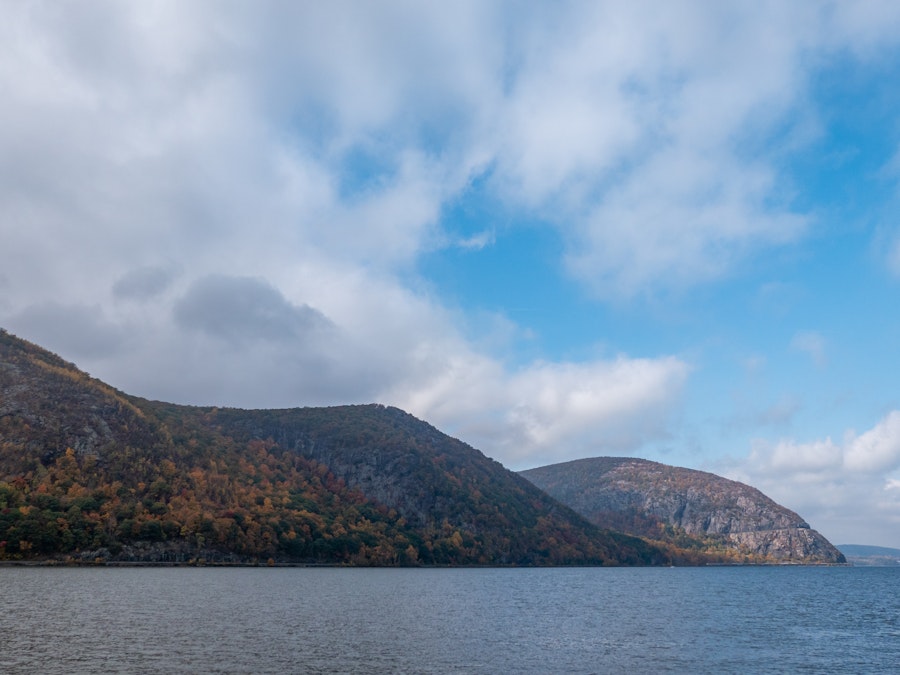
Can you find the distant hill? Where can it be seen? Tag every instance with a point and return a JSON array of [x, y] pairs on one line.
[[686, 509], [90, 473], [871, 556]]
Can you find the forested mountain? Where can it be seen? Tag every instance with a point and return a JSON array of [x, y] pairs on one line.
[[87, 472], [684, 509]]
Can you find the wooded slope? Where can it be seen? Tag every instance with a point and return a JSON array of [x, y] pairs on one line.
[[87, 472]]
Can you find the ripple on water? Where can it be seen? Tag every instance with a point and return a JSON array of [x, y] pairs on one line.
[[325, 620]]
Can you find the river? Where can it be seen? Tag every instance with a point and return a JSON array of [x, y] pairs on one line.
[[556, 620]]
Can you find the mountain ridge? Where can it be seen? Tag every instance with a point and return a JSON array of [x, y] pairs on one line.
[[88, 472], [871, 556], [690, 508]]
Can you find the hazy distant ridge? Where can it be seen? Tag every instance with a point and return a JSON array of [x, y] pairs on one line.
[[871, 556]]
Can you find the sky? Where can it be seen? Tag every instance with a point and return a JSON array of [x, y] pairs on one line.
[[665, 230]]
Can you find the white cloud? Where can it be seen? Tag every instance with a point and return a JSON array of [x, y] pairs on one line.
[[637, 129], [848, 489], [238, 341], [877, 449], [631, 125], [311, 147], [548, 413], [873, 452], [676, 222], [477, 241], [804, 458]]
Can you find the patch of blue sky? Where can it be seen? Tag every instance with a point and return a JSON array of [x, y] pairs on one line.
[[841, 175], [365, 168], [833, 284], [501, 260], [798, 340], [494, 263], [812, 324]]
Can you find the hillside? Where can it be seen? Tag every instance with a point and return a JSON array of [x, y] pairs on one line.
[[870, 556], [88, 472], [691, 510]]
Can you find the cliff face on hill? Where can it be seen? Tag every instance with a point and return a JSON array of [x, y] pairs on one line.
[[678, 505], [88, 472]]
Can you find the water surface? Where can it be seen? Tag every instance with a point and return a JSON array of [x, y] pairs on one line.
[[558, 620]]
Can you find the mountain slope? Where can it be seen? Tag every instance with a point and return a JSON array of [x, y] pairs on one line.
[[870, 556], [89, 472], [690, 509]]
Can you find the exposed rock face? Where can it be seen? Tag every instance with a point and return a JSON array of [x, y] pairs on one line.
[[637, 496]]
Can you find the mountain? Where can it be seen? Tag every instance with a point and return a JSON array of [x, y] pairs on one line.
[[870, 556], [686, 509], [90, 473]]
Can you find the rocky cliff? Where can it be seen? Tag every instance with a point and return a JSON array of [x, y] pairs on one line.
[[676, 504]]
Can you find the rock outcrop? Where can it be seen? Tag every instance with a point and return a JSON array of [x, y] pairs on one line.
[[643, 497]]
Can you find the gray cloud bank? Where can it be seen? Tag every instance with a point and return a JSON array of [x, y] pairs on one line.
[[242, 310]]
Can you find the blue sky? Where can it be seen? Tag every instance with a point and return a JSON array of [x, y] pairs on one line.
[[555, 231]]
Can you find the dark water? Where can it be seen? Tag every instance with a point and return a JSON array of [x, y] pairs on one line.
[[262, 620]]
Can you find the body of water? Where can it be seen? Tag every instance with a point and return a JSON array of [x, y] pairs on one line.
[[558, 620]]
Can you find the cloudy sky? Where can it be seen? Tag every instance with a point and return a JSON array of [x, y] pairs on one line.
[[553, 230]]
